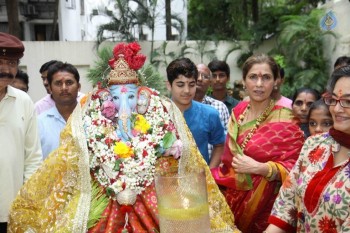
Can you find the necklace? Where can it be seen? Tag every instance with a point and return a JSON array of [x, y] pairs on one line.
[[258, 121]]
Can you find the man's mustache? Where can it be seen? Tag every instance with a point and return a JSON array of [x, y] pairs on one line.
[[6, 75]]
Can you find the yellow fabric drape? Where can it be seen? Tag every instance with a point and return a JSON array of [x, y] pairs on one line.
[[57, 197]]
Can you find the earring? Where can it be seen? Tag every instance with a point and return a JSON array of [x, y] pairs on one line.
[[275, 87], [244, 87]]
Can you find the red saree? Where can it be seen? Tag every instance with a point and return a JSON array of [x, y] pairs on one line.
[[278, 140]]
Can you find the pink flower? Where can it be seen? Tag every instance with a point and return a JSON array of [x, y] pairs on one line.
[[108, 109], [171, 127], [175, 150], [339, 184]]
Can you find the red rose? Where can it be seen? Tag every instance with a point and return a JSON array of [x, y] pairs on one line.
[[119, 49], [138, 61], [135, 47]]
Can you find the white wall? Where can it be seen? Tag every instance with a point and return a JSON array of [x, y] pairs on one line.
[[70, 26], [80, 54]]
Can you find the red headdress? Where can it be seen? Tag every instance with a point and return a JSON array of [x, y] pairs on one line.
[[125, 63]]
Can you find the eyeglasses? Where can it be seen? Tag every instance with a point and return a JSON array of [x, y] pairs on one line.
[[204, 76], [345, 103]]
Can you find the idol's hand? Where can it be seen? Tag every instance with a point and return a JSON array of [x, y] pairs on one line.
[[247, 165]]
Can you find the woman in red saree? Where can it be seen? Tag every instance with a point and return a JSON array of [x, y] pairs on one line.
[[262, 145]]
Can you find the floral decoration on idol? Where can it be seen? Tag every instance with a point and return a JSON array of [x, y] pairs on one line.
[[125, 167]]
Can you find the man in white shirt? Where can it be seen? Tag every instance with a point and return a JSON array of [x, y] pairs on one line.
[[47, 102], [20, 153]]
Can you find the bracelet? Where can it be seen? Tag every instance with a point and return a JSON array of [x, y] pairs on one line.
[[269, 174]]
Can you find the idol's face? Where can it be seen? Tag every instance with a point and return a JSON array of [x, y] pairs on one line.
[[124, 95]]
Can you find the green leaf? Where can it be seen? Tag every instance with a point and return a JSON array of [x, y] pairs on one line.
[[168, 140], [117, 165], [109, 192]]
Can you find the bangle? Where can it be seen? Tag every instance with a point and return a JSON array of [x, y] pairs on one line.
[[269, 173]]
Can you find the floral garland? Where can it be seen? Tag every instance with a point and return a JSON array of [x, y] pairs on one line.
[[120, 165]]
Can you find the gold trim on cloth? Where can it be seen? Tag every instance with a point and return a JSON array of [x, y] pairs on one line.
[[82, 215], [221, 217], [57, 197]]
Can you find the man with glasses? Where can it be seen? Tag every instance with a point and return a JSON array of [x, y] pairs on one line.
[[220, 76], [203, 82], [20, 154]]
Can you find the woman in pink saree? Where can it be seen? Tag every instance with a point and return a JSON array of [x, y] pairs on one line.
[[262, 145]]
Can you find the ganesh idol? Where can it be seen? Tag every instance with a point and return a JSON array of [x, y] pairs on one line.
[[101, 178]]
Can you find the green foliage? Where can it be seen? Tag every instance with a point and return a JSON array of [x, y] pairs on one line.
[[148, 76], [126, 24], [211, 20], [121, 25], [161, 56], [300, 41], [101, 69], [99, 202], [280, 60]]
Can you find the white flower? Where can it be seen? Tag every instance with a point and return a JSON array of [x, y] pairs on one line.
[[132, 173]]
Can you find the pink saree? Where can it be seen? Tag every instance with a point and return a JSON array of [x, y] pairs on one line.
[[277, 140]]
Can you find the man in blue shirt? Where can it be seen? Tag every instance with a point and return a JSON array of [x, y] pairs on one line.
[[203, 120], [63, 80]]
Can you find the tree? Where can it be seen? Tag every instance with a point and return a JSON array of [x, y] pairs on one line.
[[12, 17], [301, 43], [124, 20], [168, 19]]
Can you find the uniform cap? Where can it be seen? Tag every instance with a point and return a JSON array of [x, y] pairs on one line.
[[10, 46]]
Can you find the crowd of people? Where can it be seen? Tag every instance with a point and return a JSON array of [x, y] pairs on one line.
[[75, 162]]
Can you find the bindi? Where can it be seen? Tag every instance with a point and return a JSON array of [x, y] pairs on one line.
[[340, 93], [124, 89]]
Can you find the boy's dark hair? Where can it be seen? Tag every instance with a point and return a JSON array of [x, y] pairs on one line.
[[342, 61], [60, 66], [181, 66], [217, 65], [24, 77], [46, 65]]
